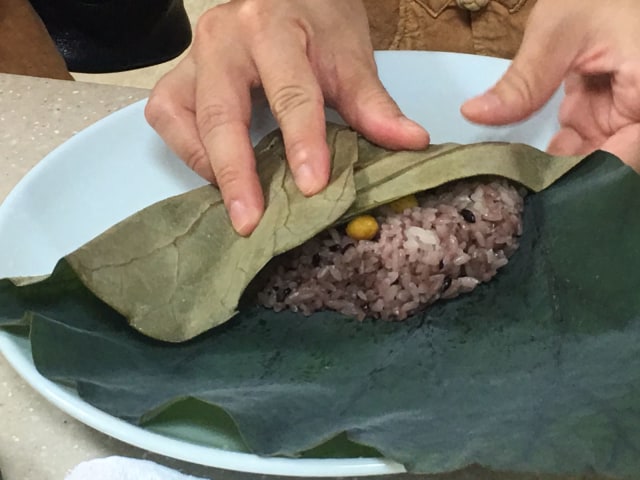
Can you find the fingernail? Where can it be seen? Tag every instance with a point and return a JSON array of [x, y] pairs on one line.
[[240, 217], [410, 124], [305, 179], [414, 136], [414, 127]]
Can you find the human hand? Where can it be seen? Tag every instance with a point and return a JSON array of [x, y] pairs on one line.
[[592, 46], [302, 53]]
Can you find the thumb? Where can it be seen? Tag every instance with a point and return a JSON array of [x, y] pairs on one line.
[[535, 74], [365, 105]]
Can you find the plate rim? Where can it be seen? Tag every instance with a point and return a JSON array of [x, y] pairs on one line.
[[68, 401]]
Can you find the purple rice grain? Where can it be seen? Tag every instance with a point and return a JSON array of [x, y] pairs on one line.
[[456, 238]]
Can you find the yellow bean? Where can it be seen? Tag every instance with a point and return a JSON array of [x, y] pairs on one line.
[[364, 227], [401, 204]]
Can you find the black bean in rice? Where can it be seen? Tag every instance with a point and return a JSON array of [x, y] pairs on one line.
[[457, 237]]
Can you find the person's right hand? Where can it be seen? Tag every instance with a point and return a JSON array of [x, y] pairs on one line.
[[590, 45], [303, 53]]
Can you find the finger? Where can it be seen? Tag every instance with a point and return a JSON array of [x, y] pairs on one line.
[[297, 104], [545, 56], [567, 142], [365, 104], [223, 111], [579, 112], [625, 144], [170, 111]]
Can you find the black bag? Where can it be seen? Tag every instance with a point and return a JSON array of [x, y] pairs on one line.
[[98, 36]]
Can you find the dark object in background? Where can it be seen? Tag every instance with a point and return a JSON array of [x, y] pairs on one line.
[[99, 36], [25, 45]]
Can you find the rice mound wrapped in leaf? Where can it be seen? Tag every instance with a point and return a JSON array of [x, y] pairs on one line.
[[177, 268], [454, 238]]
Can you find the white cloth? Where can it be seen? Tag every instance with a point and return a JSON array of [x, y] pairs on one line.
[[122, 468]]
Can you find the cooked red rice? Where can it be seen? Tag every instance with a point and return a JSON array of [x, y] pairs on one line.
[[458, 237]]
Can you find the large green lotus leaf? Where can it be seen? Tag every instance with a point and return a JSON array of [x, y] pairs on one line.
[[537, 371], [177, 268]]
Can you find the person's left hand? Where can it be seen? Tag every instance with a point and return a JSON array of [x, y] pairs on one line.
[[301, 53], [591, 45]]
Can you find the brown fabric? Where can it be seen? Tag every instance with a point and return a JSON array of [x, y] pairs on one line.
[[25, 45], [495, 30], [441, 25]]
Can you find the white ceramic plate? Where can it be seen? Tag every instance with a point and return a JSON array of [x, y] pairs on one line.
[[119, 165]]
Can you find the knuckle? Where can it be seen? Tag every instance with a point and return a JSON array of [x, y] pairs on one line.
[[371, 99], [212, 116], [568, 109], [291, 98], [378, 97], [198, 161], [213, 20], [227, 175], [246, 16], [522, 84], [253, 14], [158, 107]]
